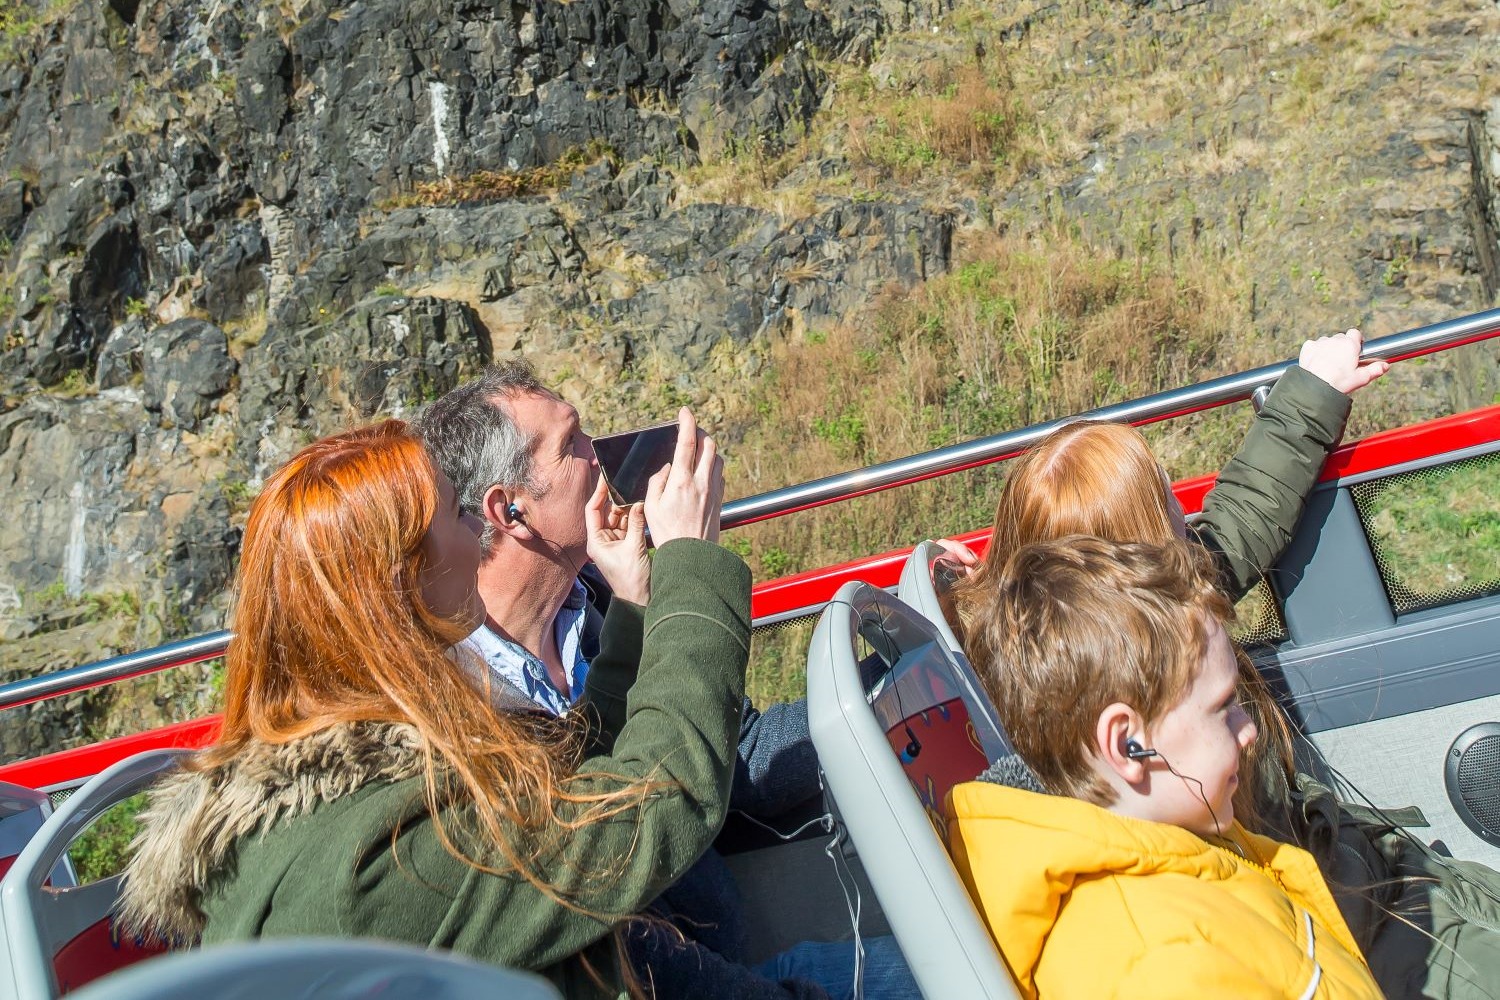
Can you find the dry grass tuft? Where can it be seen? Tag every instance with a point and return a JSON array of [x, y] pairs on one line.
[[498, 185], [958, 117], [951, 117], [1025, 329]]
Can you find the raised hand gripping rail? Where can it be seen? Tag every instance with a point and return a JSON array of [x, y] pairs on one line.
[[846, 486]]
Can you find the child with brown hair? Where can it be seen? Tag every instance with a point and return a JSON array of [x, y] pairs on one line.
[[1116, 681]]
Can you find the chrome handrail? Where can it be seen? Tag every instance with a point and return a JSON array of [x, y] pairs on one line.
[[1148, 409], [116, 668], [928, 465]]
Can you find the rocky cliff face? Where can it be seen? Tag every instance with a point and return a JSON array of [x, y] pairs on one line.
[[212, 250], [226, 228]]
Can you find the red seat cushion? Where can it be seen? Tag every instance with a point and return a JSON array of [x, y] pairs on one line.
[[949, 754]]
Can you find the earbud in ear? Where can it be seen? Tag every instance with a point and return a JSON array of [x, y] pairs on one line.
[[514, 513], [1135, 751]]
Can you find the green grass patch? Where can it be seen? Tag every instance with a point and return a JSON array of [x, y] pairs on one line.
[[102, 849], [1436, 533]]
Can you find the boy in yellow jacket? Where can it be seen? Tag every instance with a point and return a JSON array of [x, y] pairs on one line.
[[1116, 681]]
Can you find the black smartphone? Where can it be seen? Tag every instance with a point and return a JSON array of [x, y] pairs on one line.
[[630, 459]]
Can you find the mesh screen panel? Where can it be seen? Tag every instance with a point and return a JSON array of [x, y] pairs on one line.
[[804, 624], [778, 660], [1257, 617], [1435, 532]]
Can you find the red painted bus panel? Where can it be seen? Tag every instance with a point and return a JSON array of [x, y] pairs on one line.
[[69, 766]]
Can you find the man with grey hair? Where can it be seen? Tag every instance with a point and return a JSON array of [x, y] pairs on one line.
[[521, 464]]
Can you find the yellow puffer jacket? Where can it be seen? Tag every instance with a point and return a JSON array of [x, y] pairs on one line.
[[1084, 903]]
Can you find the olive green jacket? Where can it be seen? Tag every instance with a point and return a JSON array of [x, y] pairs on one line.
[[331, 835], [1249, 516], [1429, 926]]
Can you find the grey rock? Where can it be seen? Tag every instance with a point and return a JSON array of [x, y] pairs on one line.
[[78, 265], [263, 84], [63, 115], [756, 270], [187, 367], [62, 467], [14, 206], [200, 560], [111, 274], [385, 355], [235, 282], [120, 360]]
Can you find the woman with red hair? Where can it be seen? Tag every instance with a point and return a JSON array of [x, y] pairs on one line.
[[364, 783]]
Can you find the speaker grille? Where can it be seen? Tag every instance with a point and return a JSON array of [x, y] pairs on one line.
[[1472, 776], [1479, 779]]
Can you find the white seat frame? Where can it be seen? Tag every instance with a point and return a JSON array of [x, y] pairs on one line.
[[945, 942], [22, 812], [917, 589], [38, 920], [307, 967]]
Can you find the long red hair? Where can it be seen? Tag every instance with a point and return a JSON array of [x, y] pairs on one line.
[[330, 626], [331, 629]]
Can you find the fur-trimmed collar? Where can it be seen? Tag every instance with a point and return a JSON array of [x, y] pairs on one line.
[[194, 818]]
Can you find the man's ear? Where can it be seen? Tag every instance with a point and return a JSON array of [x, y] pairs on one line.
[[496, 511], [1117, 725]]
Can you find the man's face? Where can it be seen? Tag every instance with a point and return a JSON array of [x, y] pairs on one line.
[[563, 469]]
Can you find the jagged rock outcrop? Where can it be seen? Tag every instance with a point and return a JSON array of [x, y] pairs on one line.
[[201, 241], [237, 137], [384, 355], [186, 368]]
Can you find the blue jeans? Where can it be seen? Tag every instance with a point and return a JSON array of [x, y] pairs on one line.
[[830, 964]]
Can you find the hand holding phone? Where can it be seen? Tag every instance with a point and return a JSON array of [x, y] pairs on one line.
[[617, 545], [683, 499]]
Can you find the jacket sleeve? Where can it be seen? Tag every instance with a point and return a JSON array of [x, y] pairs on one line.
[[1192, 970], [679, 725], [612, 671], [1249, 516], [777, 766]]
